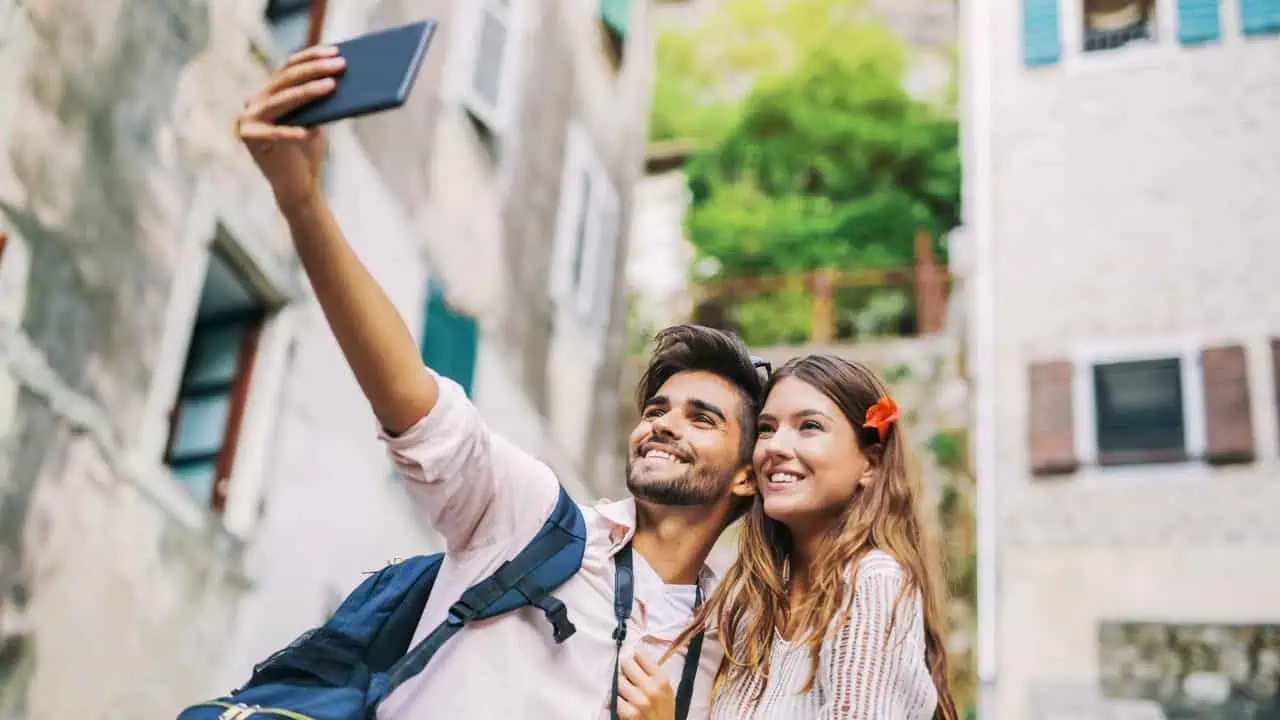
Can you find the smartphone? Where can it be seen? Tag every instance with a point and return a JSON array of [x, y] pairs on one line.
[[381, 69]]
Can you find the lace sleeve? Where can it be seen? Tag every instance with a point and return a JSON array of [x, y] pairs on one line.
[[874, 666]]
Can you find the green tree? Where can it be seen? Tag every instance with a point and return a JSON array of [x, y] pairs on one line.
[[811, 153]]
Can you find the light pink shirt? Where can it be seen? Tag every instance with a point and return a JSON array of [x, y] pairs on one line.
[[488, 499]]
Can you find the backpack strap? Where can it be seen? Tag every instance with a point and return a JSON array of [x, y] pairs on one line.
[[552, 557]]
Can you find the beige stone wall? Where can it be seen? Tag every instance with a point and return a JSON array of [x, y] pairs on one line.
[[112, 582]]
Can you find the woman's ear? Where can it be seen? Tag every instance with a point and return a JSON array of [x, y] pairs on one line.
[[868, 473], [744, 483]]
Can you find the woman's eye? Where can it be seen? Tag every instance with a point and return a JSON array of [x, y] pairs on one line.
[[764, 429], [810, 425]]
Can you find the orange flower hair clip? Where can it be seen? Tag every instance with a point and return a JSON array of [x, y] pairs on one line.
[[882, 416]]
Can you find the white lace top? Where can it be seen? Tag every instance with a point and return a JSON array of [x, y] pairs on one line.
[[860, 677]]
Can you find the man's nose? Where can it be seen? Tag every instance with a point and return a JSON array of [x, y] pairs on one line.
[[666, 425]]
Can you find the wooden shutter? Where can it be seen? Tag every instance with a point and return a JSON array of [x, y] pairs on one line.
[[1041, 42], [1260, 17], [1198, 21], [1228, 419], [1050, 422]]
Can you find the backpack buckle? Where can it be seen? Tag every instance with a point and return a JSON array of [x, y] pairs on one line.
[[460, 613], [561, 627]]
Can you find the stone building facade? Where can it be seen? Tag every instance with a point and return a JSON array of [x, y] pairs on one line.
[[180, 441], [1120, 166]]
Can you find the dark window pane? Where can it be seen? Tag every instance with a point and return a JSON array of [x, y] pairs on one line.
[[215, 353], [202, 423], [1139, 406]]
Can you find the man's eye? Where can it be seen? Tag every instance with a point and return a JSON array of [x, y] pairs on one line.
[[653, 413], [703, 418]]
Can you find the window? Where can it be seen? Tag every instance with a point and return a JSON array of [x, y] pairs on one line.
[[289, 20], [1111, 24], [1126, 408], [587, 235], [1138, 411], [205, 421], [450, 340], [491, 64]]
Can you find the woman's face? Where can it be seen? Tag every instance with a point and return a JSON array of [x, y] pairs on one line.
[[807, 462]]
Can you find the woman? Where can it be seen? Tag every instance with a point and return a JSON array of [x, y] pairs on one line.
[[832, 609]]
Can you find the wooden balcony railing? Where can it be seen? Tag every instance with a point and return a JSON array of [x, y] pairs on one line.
[[835, 295]]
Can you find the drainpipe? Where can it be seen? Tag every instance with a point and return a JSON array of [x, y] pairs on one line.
[[976, 71]]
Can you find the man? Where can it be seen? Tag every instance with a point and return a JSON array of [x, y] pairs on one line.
[[688, 468]]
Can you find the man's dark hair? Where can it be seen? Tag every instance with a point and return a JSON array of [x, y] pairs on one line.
[[692, 348]]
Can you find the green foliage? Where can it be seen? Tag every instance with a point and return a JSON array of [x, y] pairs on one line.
[[779, 318], [897, 372], [947, 447], [813, 155]]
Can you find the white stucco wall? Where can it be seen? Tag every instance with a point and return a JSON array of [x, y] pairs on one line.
[[1124, 201]]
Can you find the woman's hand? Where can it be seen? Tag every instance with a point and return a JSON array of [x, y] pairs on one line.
[[644, 691]]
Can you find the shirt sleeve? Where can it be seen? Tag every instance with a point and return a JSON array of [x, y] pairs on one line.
[[474, 487], [875, 667]]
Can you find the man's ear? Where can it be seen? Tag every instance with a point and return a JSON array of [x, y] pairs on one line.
[[744, 483]]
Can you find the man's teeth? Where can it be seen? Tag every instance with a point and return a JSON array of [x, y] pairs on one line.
[[661, 455], [780, 478]]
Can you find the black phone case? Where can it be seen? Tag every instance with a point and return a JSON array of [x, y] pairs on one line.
[[381, 69]]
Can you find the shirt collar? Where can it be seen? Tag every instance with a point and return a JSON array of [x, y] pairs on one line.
[[621, 516]]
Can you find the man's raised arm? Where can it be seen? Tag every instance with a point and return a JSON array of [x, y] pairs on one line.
[[473, 487], [374, 338]]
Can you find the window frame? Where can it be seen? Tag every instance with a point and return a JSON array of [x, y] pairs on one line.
[[211, 228], [1084, 395], [275, 11], [237, 391], [596, 216], [496, 118], [1073, 54]]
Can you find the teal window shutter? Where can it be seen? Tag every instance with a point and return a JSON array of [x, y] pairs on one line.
[[1198, 21], [1041, 44], [1260, 17], [450, 340], [615, 14]]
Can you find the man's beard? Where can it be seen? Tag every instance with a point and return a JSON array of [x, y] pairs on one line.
[[697, 485]]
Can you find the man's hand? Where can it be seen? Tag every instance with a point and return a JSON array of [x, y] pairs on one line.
[[290, 157], [644, 691]]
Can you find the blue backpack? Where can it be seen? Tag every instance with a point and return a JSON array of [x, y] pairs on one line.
[[344, 668]]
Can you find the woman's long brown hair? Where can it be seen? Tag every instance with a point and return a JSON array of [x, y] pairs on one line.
[[884, 515]]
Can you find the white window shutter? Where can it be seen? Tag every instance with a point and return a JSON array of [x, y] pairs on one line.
[[490, 61], [568, 217], [589, 276], [609, 239]]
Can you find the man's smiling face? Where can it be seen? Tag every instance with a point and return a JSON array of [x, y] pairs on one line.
[[687, 447]]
